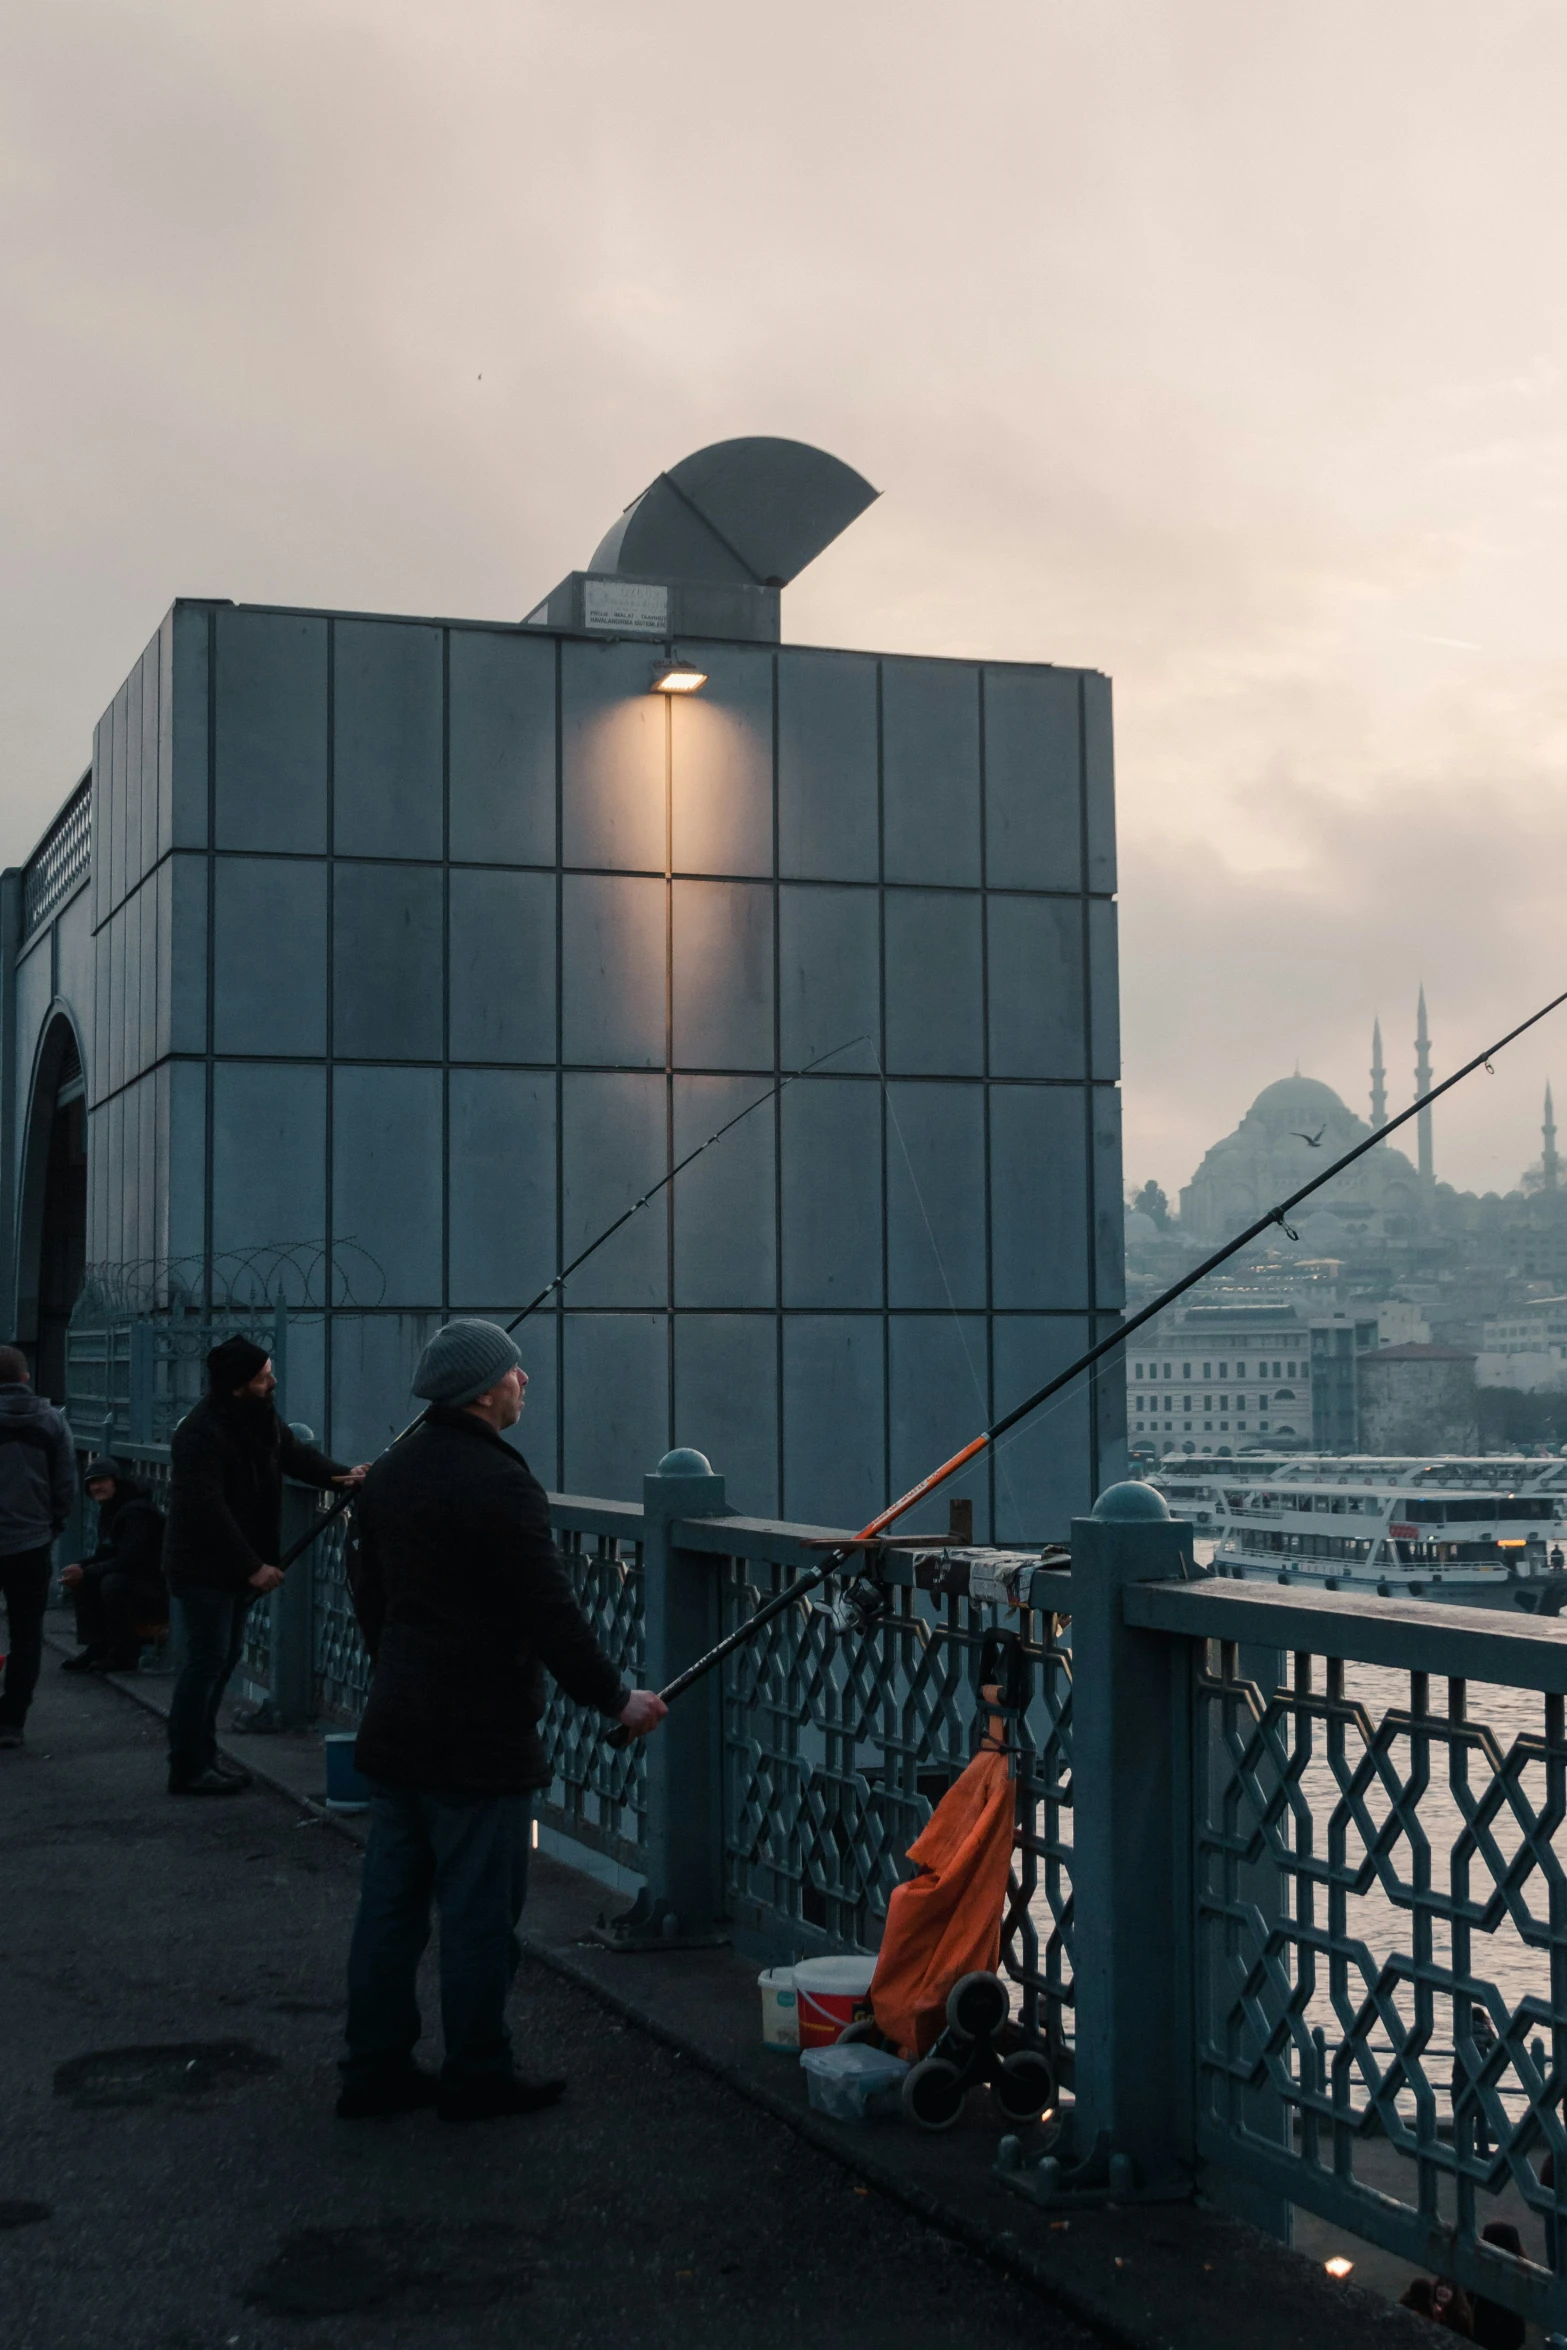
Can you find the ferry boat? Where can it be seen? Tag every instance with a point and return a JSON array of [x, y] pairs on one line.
[[1470, 1533]]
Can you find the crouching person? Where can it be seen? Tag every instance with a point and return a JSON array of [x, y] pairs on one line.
[[121, 1587], [463, 1600]]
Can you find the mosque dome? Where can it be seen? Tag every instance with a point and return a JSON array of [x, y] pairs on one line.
[[1140, 1226], [1290, 1100]]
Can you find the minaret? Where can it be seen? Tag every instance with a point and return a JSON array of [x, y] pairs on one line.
[[1551, 1165], [1423, 1085], [1378, 1080]]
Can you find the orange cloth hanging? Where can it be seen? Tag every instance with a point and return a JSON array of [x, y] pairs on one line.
[[946, 1922]]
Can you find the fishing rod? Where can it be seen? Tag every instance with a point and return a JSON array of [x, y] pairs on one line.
[[812, 1577], [320, 1524]]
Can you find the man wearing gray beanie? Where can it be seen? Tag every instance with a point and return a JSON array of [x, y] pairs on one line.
[[464, 1600]]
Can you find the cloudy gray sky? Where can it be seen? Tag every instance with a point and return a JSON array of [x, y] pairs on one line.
[[1215, 345]]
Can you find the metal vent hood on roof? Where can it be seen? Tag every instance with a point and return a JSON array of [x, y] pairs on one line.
[[706, 548]]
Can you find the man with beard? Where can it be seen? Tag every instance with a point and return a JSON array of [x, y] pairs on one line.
[[121, 1586], [228, 1460]]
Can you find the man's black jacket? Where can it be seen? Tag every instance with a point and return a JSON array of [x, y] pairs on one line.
[[463, 1598], [227, 1463], [130, 1535]]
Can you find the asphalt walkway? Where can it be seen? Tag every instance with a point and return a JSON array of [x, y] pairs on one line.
[[172, 2177]]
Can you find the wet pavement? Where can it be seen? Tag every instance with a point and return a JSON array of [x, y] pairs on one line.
[[172, 2177]]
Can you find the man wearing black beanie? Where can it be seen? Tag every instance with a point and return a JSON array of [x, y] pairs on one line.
[[228, 1460]]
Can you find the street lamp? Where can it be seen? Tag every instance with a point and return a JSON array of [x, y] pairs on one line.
[[676, 675]]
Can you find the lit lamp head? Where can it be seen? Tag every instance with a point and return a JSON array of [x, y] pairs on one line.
[[675, 675]]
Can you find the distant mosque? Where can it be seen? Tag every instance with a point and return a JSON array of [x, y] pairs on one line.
[[1297, 1125]]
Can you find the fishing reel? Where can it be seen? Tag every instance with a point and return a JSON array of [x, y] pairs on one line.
[[860, 1602]]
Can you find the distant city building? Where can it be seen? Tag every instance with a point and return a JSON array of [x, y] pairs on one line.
[[1526, 1346], [1220, 1377], [1418, 1399]]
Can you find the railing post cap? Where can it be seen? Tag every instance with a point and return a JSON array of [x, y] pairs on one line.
[[684, 1461], [1121, 1504]]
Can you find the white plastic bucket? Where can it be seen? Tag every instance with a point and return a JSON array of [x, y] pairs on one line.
[[833, 1993], [780, 2009]]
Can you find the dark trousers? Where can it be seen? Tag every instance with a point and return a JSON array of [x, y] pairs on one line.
[[469, 1855], [109, 1607], [212, 1625], [24, 1585]]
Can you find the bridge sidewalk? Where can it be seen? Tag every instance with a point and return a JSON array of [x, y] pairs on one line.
[[1179, 2277]]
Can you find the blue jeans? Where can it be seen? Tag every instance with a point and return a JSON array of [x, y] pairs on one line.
[[210, 1629], [469, 1854]]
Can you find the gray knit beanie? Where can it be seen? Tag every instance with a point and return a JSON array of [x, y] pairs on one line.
[[464, 1360]]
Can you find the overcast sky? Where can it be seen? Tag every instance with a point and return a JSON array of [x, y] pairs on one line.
[[1218, 346]]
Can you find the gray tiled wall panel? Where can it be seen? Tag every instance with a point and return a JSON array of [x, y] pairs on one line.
[[721, 766], [1102, 926], [617, 1401], [1033, 779], [386, 961], [1035, 950], [725, 1225], [726, 1401], [723, 975], [829, 975], [373, 1358], [936, 1195], [935, 984], [1041, 1470], [387, 740], [827, 818], [1039, 1195], [502, 748], [833, 1418], [269, 955], [78, 962], [831, 1209], [165, 644], [268, 1154], [613, 758], [1109, 1223], [271, 731], [502, 1185], [613, 1146], [186, 963], [930, 771], [502, 966], [937, 1399], [188, 738], [613, 970], [386, 1175], [187, 1161], [1099, 773]]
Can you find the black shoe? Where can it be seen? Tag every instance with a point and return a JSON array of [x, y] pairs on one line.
[[410, 2091], [129, 1663], [86, 1660], [491, 2098], [207, 1782], [10, 1735], [228, 1768]]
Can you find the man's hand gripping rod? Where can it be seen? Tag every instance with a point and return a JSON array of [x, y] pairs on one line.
[[814, 1576]]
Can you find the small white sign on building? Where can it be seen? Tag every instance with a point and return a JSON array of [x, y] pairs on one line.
[[627, 606]]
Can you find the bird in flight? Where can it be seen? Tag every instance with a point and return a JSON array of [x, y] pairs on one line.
[[1313, 1140]]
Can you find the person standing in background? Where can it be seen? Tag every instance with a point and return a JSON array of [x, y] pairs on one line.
[[227, 1462], [121, 1587], [37, 1488]]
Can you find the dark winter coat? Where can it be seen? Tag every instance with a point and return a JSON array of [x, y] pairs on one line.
[[37, 1470], [227, 1464], [463, 1599], [130, 1536]]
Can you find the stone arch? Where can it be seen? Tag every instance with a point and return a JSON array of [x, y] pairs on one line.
[[51, 1253]]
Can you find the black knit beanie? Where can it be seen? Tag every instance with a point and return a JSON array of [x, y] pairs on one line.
[[233, 1363]]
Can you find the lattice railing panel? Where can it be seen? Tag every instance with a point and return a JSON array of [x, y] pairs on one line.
[[837, 1746], [1381, 1919], [598, 1793]]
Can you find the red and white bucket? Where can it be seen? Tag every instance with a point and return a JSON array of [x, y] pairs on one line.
[[833, 1993]]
